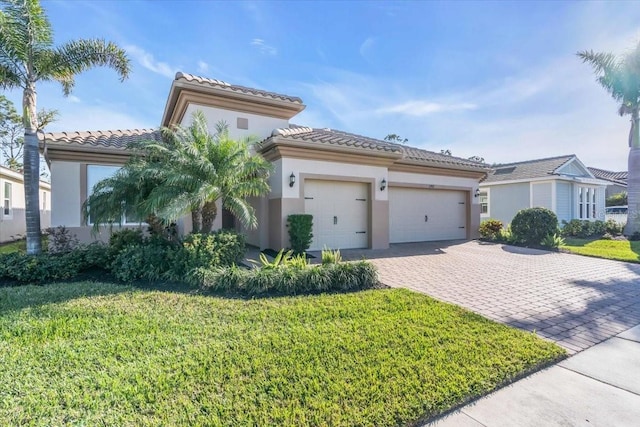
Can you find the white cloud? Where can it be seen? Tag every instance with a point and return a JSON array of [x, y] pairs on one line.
[[424, 108], [74, 99], [203, 67], [263, 47], [149, 62], [366, 47]]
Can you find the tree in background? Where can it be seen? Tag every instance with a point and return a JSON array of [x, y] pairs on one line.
[[188, 172], [392, 137], [620, 76], [12, 132], [28, 56]]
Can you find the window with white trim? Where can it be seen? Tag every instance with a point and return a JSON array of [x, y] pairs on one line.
[[587, 203], [97, 173], [484, 203], [7, 208]]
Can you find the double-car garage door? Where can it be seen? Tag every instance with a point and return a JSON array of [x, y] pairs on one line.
[[341, 214]]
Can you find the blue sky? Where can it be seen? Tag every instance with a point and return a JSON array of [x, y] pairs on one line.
[[495, 79]]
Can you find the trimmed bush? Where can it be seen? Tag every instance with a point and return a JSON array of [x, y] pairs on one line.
[[490, 229], [584, 228], [61, 240], [40, 268], [619, 199], [205, 250], [300, 235], [147, 261], [614, 228], [531, 226], [289, 280], [123, 238]]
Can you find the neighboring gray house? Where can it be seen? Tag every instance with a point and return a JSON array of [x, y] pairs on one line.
[[617, 180], [562, 184]]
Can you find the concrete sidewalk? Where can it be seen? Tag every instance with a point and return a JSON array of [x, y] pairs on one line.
[[599, 386]]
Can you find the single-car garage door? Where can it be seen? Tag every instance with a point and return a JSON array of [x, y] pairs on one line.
[[340, 213], [419, 215]]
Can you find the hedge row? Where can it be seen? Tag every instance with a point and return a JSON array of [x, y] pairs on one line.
[[344, 276]]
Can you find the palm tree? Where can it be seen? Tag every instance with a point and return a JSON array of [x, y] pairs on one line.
[[620, 76], [186, 173], [27, 56]]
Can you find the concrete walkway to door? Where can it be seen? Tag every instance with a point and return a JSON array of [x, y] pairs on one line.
[[573, 300]]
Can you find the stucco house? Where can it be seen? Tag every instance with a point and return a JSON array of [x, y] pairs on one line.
[[617, 180], [563, 184], [12, 218], [362, 192]]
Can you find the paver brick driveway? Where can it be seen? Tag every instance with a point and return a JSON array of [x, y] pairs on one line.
[[574, 300]]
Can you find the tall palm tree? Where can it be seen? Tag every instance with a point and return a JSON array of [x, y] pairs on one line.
[[620, 76], [188, 172], [27, 56]]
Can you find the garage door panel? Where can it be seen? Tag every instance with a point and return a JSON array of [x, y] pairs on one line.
[[340, 213], [417, 215]]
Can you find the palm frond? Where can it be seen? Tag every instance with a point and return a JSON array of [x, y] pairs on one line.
[[76, 56]]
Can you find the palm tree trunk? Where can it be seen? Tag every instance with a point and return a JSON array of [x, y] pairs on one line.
[[196, 220], [31, 170], [209, 214], [633, 181]]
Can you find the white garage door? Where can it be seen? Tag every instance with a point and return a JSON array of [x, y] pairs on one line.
[[418, 215], [340, 213]]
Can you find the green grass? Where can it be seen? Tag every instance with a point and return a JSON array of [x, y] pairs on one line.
[[95, 353], [17, 246], [621, 250]]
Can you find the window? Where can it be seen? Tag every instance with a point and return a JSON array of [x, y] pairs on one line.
[[6, 200], [587, 203], [484, 203], [95, 174]]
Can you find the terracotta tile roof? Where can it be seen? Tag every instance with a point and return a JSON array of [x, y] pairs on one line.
[[114, 139], [617, 177], [336, 137], [234, 88], [529, 169]]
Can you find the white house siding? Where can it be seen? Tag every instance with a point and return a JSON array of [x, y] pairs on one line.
[[259, 126], [564, 201], [542, 195], [14, 225], [507, 199]]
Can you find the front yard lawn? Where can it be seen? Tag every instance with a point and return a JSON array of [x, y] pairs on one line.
[[621, 250], [93, 353]]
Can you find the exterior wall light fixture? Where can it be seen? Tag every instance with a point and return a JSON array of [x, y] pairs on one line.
[[383, 184], [292, 179], [477, 193]]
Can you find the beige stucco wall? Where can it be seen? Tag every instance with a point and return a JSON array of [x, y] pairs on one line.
[[259, 126], [65, 200], [14, 226]]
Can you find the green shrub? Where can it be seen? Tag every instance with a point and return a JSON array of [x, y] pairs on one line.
[[61, 240], [583, 228], [123, 238], [290, 280], [94, 255], [552, 241], [147, 261], [619, 199], [531, 226], [614, 228], [300, 235], [331, 257], [206, 250], [40, 268], [490, 229]]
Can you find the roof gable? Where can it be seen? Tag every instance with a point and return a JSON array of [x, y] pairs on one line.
[[574, 167], [528, 170]]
